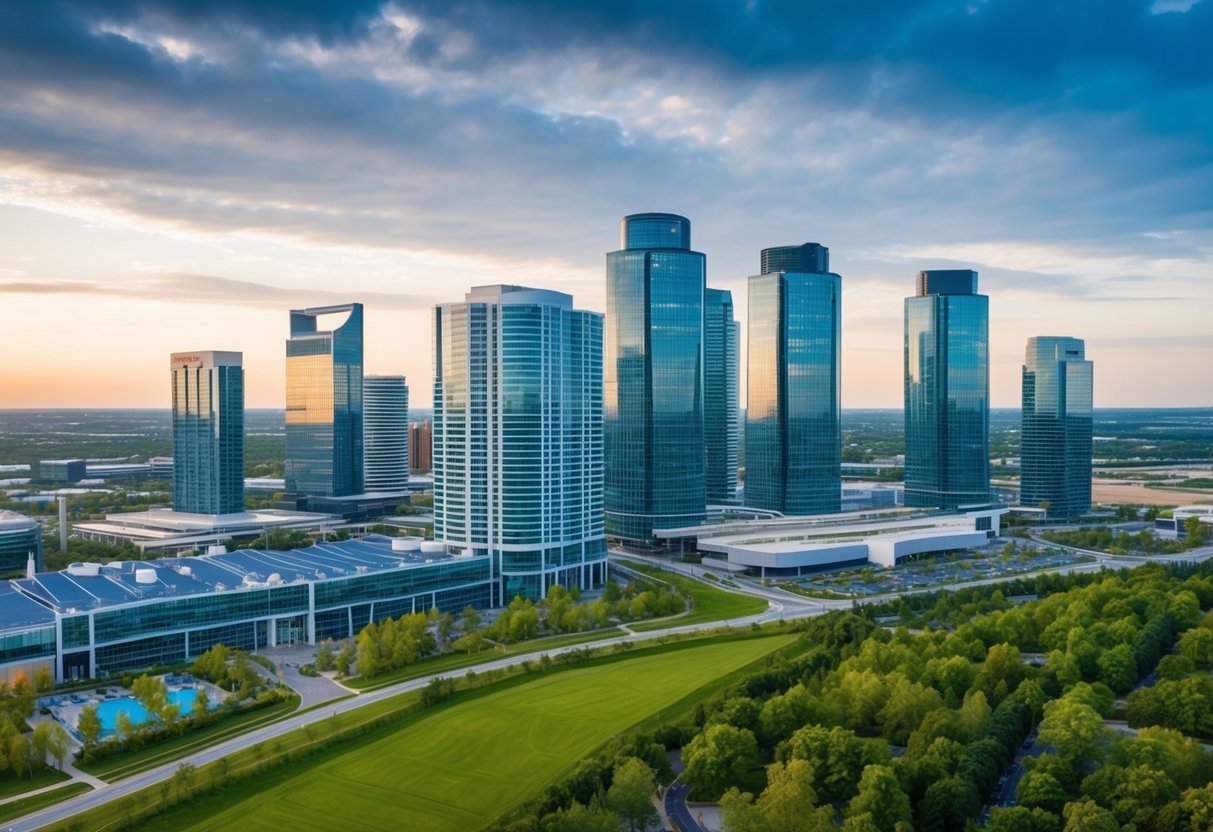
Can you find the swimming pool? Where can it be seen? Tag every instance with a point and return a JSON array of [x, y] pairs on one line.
[[108, 709]]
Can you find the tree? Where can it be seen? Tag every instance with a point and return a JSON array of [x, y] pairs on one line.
[[324, 655], [1040, 789], [881, 797], [718, 757], [470, 642], [1074, 729], [1022, 819], [739, 814], [631, 792], [1118, 668], [581, 818], [469, 619], [947, 805], [184, 778], [1196, 645], [344, 659], [1196, 531], [1193, 812], [152, 694], [1002, 666], [50, 738], [789, 803], [44, 680], [89, 725], [20, 756], [1086, 816], [123, 727]]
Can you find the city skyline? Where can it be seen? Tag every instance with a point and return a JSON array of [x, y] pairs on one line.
[[176, 177]]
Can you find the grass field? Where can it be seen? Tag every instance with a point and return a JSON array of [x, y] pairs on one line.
[[711, 604], [17, 808], [462, 766], [10, 786]]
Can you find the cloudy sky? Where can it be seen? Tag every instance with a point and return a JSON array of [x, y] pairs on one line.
[[176, 175]]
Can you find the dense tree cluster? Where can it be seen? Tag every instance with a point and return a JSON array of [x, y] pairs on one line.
[[24, 752], [892, 730], [396, 643]]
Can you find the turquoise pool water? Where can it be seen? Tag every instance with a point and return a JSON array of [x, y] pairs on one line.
[[108, 709]]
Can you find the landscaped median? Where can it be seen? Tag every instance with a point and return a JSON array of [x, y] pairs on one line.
[[405, 762], [707, 602]]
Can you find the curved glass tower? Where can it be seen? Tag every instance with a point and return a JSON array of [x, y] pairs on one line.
[[208, 432], [324, 403], [517, 445], [793, 433], [720, 332], [1055, 440], [947, 391], [653, 379], [385, 433]]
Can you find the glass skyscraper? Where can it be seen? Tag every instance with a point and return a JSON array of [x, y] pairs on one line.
[[385, 433], [324, 403], [208, 432], [947, 391], [1055, 439], [654, 379], [793, 440], [517, 438], [720, 332]]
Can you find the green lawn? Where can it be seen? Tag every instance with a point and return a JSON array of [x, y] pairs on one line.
[[462, 766], [711, 604], [26, 805], [10, 786]]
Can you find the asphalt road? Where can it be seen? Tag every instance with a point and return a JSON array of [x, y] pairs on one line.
[[676, 808]]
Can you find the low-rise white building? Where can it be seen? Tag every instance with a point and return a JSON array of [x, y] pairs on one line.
[[789, 546]]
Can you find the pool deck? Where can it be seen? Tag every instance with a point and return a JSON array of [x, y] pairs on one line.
[[67, 707]]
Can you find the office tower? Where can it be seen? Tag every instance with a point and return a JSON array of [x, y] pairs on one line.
[[518, 462], [385, 433], [793, 441], [1055, 439], [421, 442], [324, 402], [208, 432], [20, 540], [654, 379], [947, 391], [719, 397]]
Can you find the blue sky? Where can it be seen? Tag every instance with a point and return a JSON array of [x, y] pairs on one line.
[[175, 176]]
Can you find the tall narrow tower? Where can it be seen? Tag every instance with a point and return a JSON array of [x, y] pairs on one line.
[[793, 439], [947, 391], [1055, 435], [719, 397], [324, 402], [385, 433], [653, 376], [517, 437], [208, 432]]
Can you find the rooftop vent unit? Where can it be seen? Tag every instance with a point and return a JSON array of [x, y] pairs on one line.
[[145, 576]]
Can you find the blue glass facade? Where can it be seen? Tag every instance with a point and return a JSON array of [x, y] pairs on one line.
[[1055, 436], [793, 439], [517, 437], [94, 620], [720, 331], [208, 432], [20, 537], [947, 391], [324, 448], [653, 377]]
